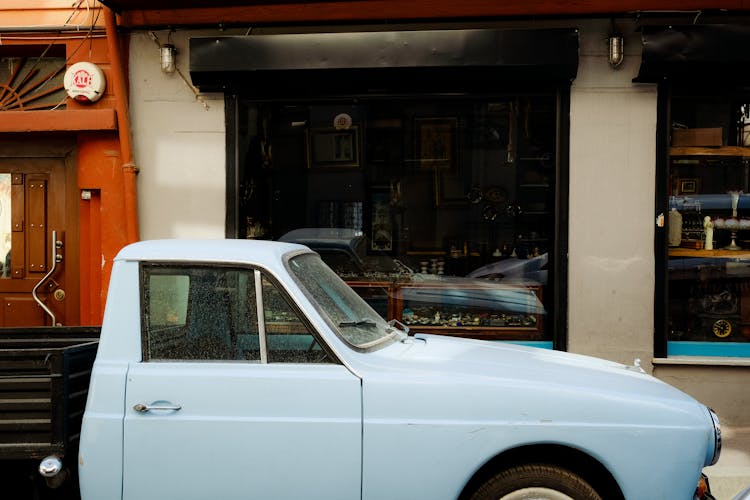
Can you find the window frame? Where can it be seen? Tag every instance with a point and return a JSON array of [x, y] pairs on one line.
[[670, 89], [561, 92]]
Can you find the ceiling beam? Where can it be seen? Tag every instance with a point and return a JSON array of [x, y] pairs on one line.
[[137, 13]]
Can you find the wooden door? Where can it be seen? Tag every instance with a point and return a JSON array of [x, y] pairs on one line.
[[38, 250]]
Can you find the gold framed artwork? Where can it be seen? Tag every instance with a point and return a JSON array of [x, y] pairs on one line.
[[436, 142]]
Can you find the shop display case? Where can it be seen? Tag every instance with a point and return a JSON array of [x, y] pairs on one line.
[[709, 297], [480, 309], [708, 231]]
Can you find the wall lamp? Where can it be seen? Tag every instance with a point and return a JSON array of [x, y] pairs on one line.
[[616, 53], [167, 52]]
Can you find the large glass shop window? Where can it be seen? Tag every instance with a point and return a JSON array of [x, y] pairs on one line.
[[440, 213], [708, 226]]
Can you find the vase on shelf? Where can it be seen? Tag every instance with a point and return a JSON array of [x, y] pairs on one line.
[[733, 225]]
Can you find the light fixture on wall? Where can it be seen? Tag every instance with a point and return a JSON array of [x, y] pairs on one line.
[[167, 52], [616, 53]]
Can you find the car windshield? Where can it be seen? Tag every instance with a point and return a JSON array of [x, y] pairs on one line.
[[352, 318]]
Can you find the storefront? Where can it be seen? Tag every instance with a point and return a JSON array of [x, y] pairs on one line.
[[428, 173], [422, 170]]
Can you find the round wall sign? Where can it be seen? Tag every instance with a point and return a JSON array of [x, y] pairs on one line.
[[342, 121], [84, 82]]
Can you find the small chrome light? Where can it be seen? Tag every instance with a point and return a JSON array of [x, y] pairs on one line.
[[167, 56], [717, 437], [53, 471], [50, 466], [616, 54]]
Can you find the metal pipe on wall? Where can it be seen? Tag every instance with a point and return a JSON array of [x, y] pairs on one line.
[[129, 168]]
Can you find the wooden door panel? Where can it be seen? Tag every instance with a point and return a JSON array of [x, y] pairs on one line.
[[22, 311], [39, 193], [18, 214], [36, 207]]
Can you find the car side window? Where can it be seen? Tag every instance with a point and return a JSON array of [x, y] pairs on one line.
[[289, 340], [210, 313], [199, 313]]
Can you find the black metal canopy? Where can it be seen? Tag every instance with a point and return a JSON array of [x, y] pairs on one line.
[[695, 53], [362, 62]]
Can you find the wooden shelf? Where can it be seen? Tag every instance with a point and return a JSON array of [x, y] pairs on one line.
[[710, 151], [484, 333], [718, 254]]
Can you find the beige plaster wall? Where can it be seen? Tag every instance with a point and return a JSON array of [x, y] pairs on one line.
[[719, 384], [179, 146], [612, 172]]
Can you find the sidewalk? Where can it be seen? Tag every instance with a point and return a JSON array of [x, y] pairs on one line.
[[732, 473]]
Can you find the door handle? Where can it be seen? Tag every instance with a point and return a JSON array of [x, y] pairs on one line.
[[142, 408], [56, 257]]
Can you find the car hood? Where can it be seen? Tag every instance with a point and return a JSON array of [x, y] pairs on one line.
[[540, 383]]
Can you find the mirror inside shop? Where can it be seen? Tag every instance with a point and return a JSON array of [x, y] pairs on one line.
[[709, 219], [439, 212]]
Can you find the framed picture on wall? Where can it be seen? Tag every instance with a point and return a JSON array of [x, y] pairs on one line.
[[333, 148], [436, 142], [689, 185]]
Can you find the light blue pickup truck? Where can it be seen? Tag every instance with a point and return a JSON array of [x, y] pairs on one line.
[[247, 369]]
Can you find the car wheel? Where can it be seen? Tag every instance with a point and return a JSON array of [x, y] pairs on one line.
[[537, 482]]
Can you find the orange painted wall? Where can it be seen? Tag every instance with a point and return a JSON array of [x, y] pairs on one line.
[[102, 218], [49, 13]]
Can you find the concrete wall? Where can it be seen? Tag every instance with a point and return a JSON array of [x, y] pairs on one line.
[[179, 145], [718, 383], [612, 172]]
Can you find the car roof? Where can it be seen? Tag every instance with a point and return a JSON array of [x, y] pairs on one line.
[[209, 250]]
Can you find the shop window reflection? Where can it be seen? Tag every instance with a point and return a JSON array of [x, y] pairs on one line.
[[425, 196]]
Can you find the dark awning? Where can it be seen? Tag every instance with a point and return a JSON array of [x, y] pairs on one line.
[[427, 61], [695, 53]]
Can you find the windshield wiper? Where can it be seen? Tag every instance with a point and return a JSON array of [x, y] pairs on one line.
[[362, 322]]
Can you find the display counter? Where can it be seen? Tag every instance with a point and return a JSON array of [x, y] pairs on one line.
[[481, 309]]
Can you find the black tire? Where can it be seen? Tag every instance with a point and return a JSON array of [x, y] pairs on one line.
[[541, 479]]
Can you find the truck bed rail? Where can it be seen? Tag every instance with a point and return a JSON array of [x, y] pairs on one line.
[[44, 379]]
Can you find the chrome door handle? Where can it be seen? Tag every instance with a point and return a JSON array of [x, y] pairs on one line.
[[141, 408], [56, 257]]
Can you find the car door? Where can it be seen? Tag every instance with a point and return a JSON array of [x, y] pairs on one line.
[[232, 403]]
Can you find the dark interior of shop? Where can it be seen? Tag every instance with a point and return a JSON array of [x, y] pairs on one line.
[[472, 180]]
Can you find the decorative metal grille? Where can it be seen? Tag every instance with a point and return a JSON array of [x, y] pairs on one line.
[[31, 83]]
